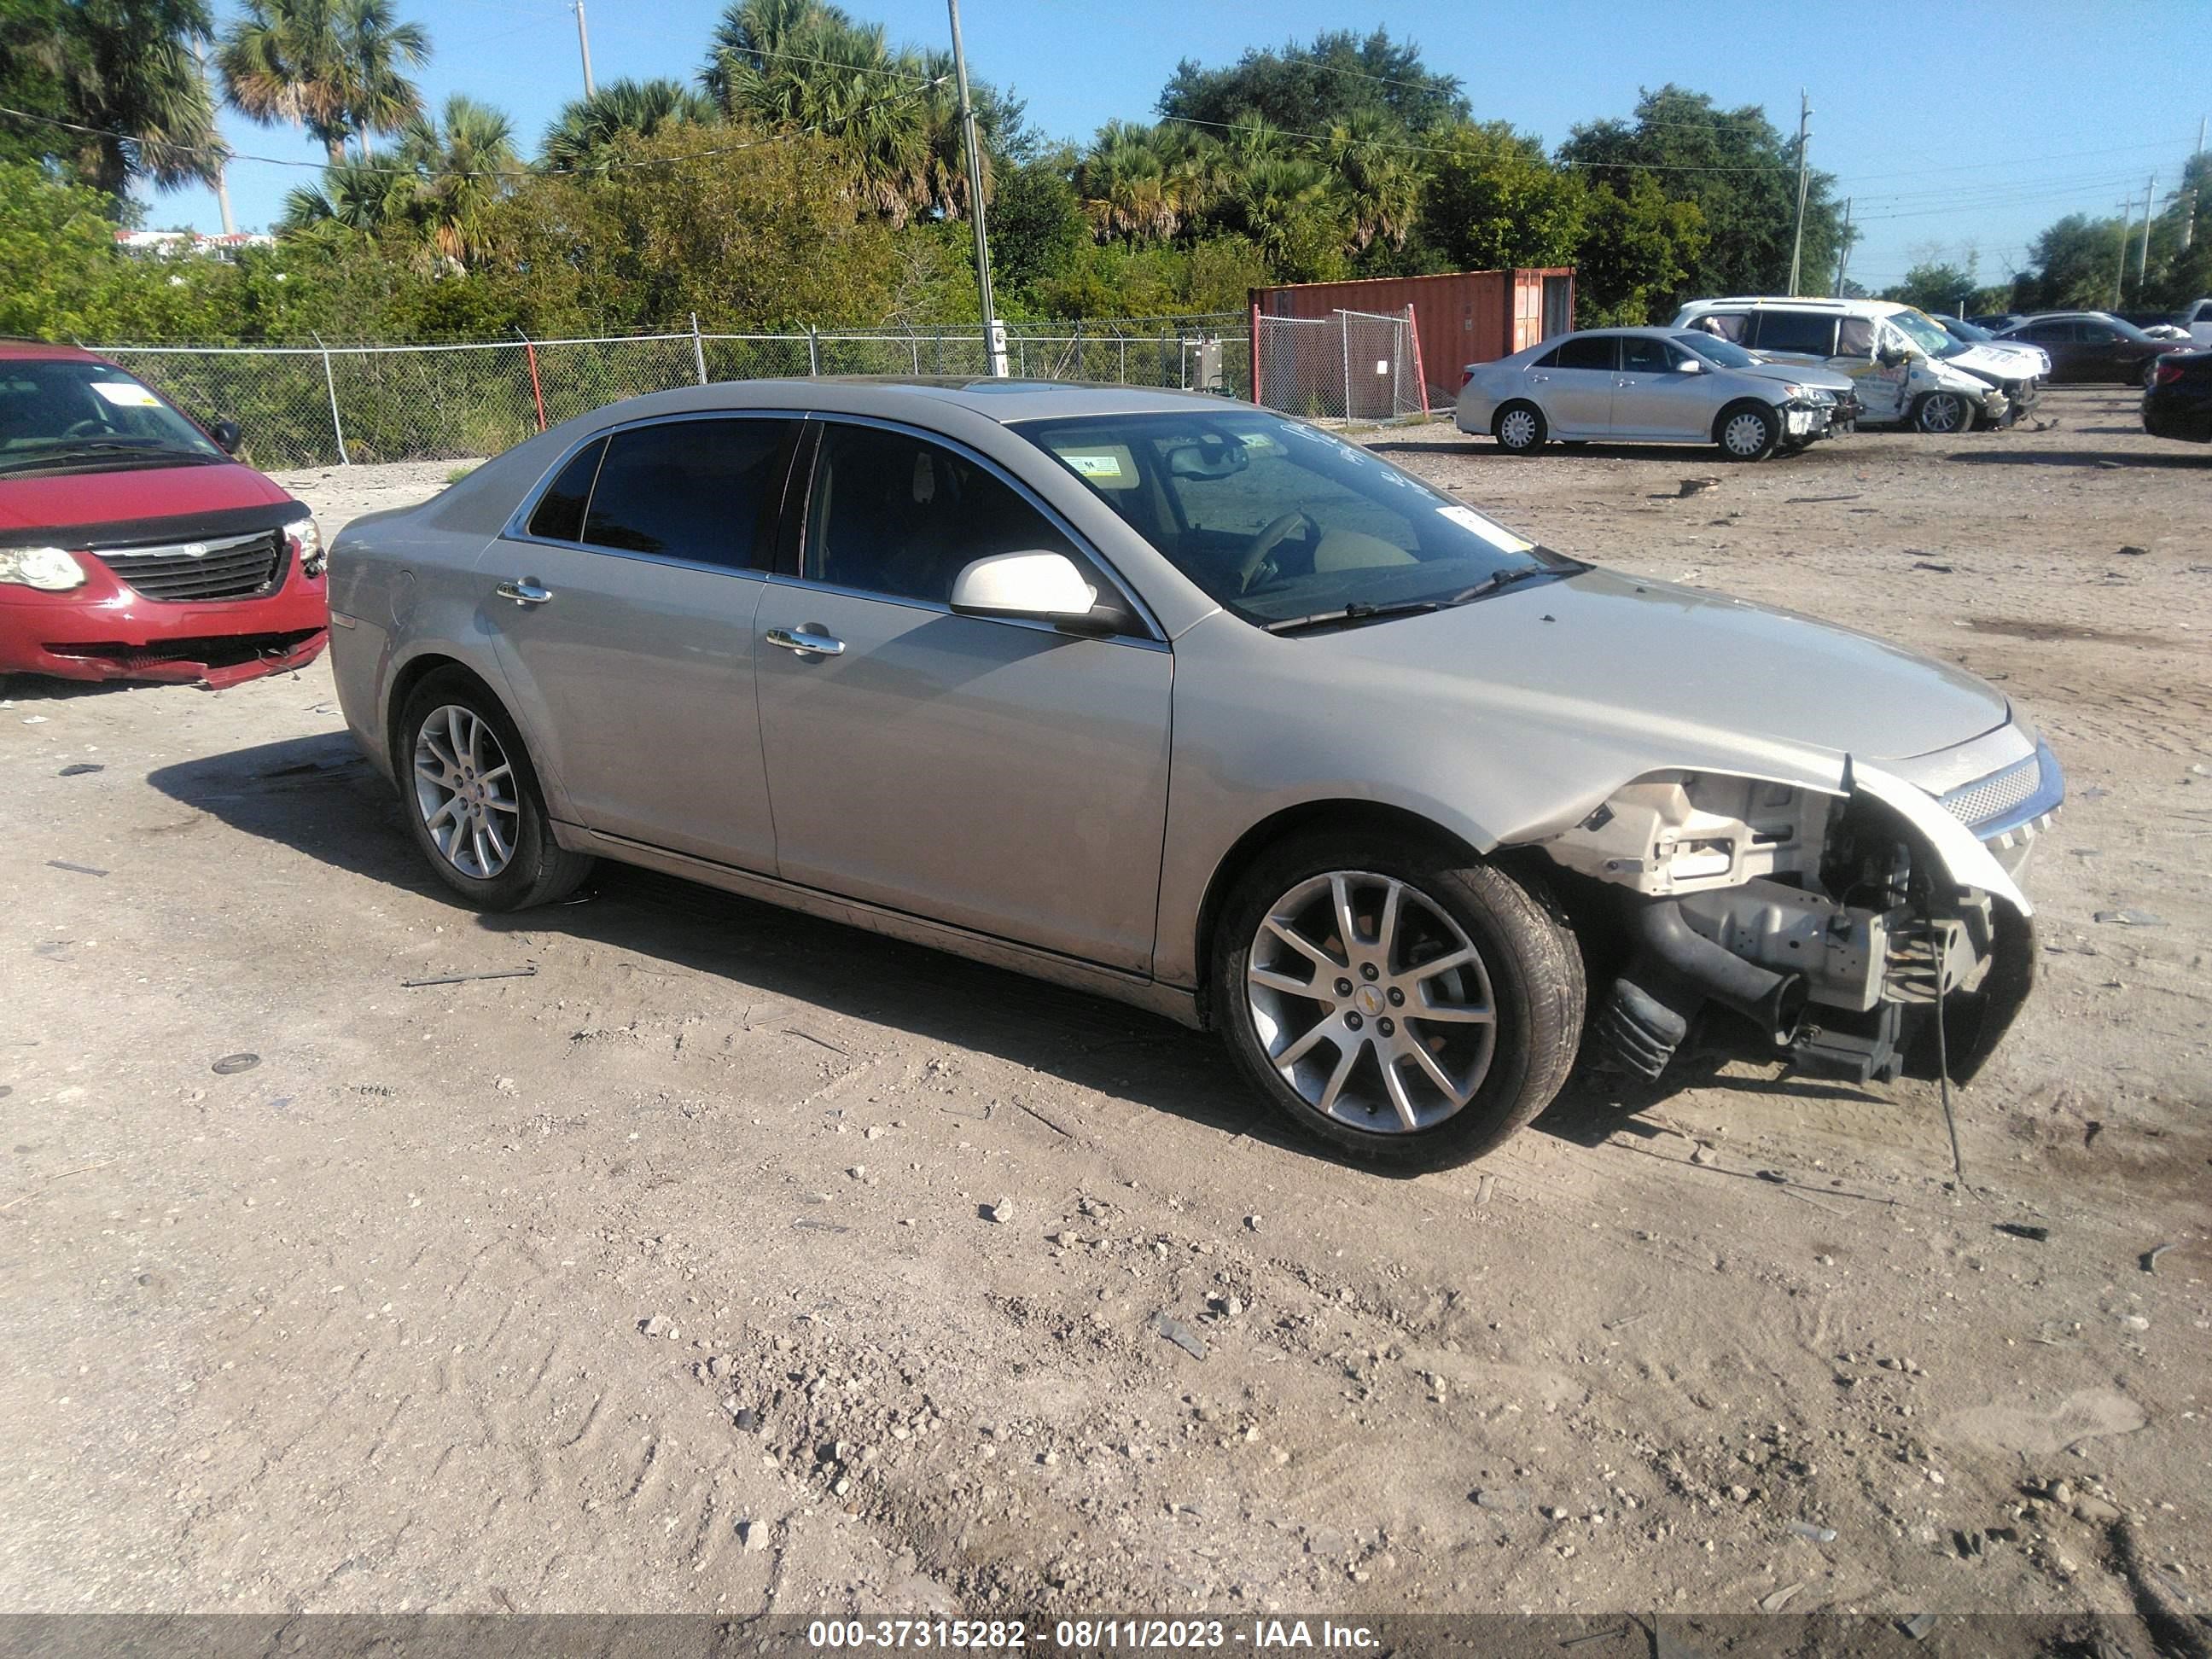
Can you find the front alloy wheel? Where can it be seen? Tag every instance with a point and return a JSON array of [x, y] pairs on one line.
[[1748, 433], [1944, 414], [1395, 997], [1371, 1001]]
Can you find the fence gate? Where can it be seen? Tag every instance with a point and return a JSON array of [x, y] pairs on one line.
[[1347, 366]]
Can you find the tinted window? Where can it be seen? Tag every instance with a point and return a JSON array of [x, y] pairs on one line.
[[2097, 333], [895, 515], [1641, 355], [560, 514], [1549, 359], [1587, 351], [1806, 332], [2047, 333], [702, 490]]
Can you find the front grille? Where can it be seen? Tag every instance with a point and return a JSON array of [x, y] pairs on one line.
[[1992, 797], [228, 567]]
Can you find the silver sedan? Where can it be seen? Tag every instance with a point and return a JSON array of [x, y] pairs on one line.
[[1644, 385], [1187, 704]]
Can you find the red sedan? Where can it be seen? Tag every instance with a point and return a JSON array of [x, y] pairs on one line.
[[131, 545]]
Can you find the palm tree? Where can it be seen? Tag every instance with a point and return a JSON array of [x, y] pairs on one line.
[[354, 195], [1146, 182], [461, 163], [333, 67], [377, 50], [802, 64], [586, 126], [1381, 194], [126, 67]]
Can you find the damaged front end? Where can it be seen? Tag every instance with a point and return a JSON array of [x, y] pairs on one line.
[[1830, 931]]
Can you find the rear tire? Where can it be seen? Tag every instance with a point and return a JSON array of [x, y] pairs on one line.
[[1747, 432], [1384, 1104], [471, 798], [1519, 428]]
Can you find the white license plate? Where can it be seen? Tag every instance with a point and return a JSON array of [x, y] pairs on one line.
[[1799, 421]]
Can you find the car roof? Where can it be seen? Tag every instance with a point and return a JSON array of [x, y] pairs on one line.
[[14, 348], [1005, 402], [1808, 302]]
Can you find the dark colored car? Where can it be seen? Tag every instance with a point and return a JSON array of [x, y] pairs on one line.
[[131, 545], [2180, 402], [2091, 347], [1997, 321]]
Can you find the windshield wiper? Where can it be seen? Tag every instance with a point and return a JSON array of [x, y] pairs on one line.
[[1347, 616], [1501, 579], [77, 452]]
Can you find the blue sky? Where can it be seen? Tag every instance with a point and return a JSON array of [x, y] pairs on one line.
[[1958, 129]]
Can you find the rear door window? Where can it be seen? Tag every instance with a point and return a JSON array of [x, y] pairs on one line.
[[1805, 333], [706, 491], [1588, 351], [560, 514]]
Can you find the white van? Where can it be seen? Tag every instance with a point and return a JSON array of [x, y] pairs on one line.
[[1908, 371]]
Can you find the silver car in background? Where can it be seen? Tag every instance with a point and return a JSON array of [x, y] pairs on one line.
[[1640, 385], [1185, 703]]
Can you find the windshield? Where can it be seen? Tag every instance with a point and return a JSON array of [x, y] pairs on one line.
[[1714, 350], [1926, 333], [1277, 520], [1959, 329], [2128, 329], [60, 413]]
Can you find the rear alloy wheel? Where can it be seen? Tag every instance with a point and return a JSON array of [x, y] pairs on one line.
[[1944, 414], [1747, 432], [1408, 1005], [1519, 428], [472, 799]]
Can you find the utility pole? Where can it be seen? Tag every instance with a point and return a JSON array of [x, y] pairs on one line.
[[1804, 133], [1844, 249], [584, 48], [2189, 225], [2120, 272], [222, 185], [2142, 258], [993, 342]]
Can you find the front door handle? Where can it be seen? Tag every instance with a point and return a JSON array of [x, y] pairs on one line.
[[525, 591], [805, 639]]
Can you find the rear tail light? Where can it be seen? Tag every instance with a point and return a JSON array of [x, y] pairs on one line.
[[1467, 374], [2169, 371]]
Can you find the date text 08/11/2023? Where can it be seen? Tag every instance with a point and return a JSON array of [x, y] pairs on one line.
[[1261, 1635]]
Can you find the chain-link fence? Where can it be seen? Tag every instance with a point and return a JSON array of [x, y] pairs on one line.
[[1347, 366], [315, 405]]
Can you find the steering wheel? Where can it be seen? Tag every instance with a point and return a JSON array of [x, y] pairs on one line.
[[1255, 556], [89, 427]]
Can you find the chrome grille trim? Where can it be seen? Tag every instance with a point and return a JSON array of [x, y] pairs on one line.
[[1991, 797], [221, 568]]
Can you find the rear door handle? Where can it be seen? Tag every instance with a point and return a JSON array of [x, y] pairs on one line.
[[805, 639], [525, 591]]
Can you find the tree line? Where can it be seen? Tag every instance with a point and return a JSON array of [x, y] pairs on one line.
[[809, 171]]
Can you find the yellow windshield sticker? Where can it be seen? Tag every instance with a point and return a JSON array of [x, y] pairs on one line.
[[1095, 466], [126, 394]]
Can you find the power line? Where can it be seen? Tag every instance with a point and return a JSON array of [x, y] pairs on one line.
[[224, 153]]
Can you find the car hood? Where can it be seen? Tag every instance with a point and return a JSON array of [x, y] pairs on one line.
[[1691, 672], [1823, 380], [128, 495], [2007, 362]]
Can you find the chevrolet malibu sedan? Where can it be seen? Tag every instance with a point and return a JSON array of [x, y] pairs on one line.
[[1191, 705], [1641, 385], [132, 546]]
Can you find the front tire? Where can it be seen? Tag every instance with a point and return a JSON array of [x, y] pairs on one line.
[[473, 801], [1747, 432], [1519, 428], [1943, 414], [1396, 998]]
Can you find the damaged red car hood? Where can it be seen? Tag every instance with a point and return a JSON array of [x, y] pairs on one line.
[[131, 493]]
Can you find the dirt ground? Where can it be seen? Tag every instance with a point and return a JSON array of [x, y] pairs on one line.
[[663, 1280]]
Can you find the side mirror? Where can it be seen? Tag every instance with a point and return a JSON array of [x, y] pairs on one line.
[[228, 436], [1041, 587], [1890, 356], [1690, 366]]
